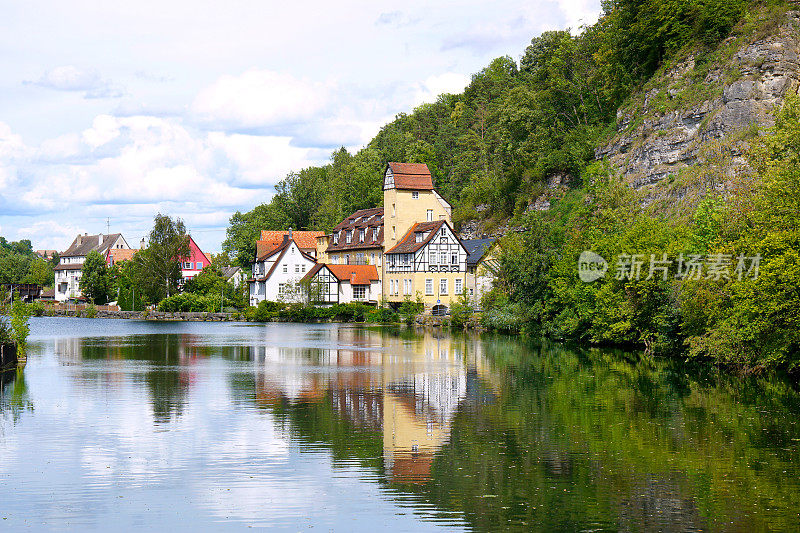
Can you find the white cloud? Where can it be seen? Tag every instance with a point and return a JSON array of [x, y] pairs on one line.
[[579, 12], [259, 99], [449, 82], [70, 78]]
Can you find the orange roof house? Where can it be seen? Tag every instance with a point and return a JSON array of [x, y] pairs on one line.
[[271, 240]]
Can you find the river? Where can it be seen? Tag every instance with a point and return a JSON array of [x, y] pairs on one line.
[[122, 425]]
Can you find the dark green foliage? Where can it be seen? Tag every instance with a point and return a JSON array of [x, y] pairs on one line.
[[157, 270], [20, 316], [351, 312], [19, 264], [186, 302], [96, 281], [211, 284]]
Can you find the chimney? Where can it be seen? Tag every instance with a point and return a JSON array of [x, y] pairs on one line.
[[80, 239], [100, 240], [141, 244], [285, 238], [290, 233]]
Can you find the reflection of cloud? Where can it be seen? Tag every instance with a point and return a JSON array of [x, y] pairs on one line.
[[70, 78]]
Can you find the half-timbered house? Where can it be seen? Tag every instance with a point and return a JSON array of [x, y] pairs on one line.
[[328, 284], [277, 273], [430, 263]]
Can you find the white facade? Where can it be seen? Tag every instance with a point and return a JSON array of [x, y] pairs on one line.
[[277, 277], [68, 271]]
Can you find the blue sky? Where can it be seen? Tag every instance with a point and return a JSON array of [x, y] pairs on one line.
[[119, 110]]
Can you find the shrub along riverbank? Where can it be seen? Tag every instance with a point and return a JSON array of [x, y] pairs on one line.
[[745, 315]]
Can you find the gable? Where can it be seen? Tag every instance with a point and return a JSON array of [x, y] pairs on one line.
[[388, 179]]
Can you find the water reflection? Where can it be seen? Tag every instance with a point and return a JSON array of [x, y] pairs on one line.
[[267, 425], [407, 390]]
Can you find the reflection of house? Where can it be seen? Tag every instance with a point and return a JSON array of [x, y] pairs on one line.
[[277, 273], [70, 265], [482, 267], [332, 284]]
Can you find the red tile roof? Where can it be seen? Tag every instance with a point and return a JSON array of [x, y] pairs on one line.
[[409, 244], [353, 274], [122, 254], [304, 239], [366, 219], [411, 176]]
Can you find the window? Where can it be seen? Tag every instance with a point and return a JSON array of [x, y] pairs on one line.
[[415, 195], [303, 268], [433, 258], [349, 237], [453, 258], [459, 286], [297, 269], [371, 259], [443, 258], [406, 259], [336, 238], [472, 292], [361, 234], [374, 234], [429, 287], [359, 292], [443, 286], [394, 211], [394, 233], [430, 215], [360, 259], [335, 259], [281, 288], [419, 236], [347, 259], [199, 265], [286, 268]]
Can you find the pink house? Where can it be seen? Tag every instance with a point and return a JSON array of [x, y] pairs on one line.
[[196, 262]]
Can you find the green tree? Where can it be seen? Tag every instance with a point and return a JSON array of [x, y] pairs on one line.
[[96, 283], [157, 270]]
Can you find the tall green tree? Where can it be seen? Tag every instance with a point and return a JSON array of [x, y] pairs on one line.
[[157, 268], [96, 283]]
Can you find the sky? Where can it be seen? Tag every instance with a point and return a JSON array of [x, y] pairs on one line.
[[111, 112]]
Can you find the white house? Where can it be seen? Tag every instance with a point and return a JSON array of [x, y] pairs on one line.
[[277, 273], [332, 284], [70, 265]]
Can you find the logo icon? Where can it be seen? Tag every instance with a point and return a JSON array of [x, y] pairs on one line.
[[591, 266]]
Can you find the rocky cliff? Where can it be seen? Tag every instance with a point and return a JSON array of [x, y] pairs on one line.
[[702, 109]]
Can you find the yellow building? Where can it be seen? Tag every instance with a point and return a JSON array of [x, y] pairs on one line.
[[410, 240]]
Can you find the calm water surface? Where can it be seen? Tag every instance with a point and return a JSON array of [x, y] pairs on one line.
[[122, 425]]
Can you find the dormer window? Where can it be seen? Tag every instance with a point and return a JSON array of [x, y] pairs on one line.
[[420, 236], [361, 234], [374, 234], [349, 236]]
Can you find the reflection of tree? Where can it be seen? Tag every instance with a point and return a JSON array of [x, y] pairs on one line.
[[548, 438], [14, 399], [167, 361]]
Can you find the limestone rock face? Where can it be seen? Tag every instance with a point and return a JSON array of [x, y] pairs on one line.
[[650, 145]]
